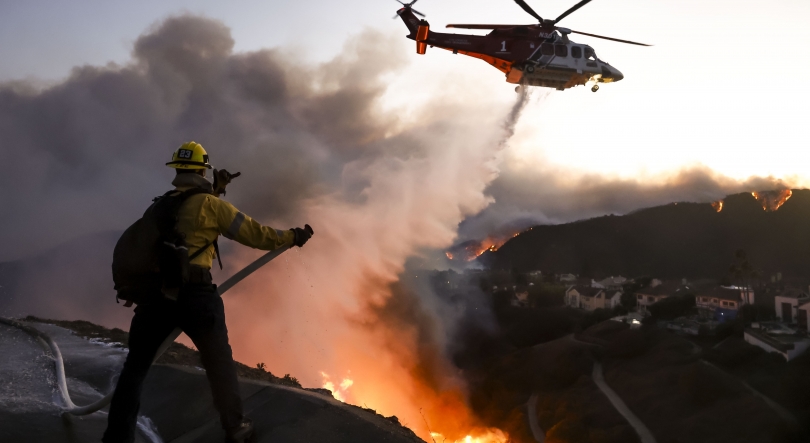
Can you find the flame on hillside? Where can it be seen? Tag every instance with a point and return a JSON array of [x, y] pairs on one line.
[[470, 250], [718, 205], [772, 200], [339, 390]]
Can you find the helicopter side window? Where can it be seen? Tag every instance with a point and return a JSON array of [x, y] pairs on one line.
[[561, 50], [576, 52], [589, 54], [547, 49]]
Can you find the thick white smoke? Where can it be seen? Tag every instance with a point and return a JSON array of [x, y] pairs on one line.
[[315, 144]]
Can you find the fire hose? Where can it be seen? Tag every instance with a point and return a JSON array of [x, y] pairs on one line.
[[61, 379]]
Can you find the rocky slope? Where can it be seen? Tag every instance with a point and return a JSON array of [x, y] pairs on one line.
[[176, 401]]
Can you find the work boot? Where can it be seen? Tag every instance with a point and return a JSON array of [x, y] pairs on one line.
[[242, 433]]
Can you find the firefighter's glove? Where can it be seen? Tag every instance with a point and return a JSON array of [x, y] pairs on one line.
[[221, 179], [301, 235]]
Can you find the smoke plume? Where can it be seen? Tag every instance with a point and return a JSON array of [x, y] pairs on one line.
[[314, 144], [546, 194]]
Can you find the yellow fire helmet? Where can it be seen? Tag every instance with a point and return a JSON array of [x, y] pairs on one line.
[[190, 155]]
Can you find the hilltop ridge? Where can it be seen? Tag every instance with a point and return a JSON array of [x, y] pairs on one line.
[[677, 240]]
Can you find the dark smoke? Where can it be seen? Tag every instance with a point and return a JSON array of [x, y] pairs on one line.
[[525, 197], [87, 154]]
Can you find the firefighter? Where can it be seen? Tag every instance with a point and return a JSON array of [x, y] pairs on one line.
[[197, 307]]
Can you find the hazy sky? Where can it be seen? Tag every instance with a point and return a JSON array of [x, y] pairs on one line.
[[722, 86]]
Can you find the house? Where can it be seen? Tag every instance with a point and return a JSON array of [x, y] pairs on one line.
[[722, 302], [584, 297], [567, 277], [589, 299], [611, 301], [609, 283], [787, 305], [658, 291], [776, 338]]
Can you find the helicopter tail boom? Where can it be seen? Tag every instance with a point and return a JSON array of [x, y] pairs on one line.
[[410, 20]]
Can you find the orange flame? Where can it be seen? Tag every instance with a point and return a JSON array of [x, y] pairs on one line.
[[490, 435], [772, 200], [492, 243], [718, 205]]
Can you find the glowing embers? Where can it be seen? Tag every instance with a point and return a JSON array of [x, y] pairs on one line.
[[772, 200], [340, 390], [490, 435], [472, 249], [718, 205]]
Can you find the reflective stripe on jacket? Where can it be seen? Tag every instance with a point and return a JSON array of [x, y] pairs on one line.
[[203, 217]]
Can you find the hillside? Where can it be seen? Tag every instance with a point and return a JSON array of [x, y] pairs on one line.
[[176, 403], [662, 379], [678, 240]]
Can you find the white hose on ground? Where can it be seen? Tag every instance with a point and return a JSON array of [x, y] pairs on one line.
[[61, 380]]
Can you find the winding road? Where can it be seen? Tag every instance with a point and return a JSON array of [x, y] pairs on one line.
[[644, 433]]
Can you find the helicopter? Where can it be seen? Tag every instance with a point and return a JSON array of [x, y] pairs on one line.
[[529, 55]]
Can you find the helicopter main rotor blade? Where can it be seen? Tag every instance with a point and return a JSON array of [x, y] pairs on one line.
[[529, 9], [409, 6], [571, 9], [609, 38], [485, 26]]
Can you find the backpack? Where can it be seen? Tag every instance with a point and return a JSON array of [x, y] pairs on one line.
[[151, 257]]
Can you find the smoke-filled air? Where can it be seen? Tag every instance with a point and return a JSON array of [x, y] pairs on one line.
[[385, 183], [312, 143]]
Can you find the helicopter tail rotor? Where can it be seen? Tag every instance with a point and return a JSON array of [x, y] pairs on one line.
[[408, 6]]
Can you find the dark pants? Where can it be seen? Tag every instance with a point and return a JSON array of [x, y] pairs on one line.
[[199, 312]]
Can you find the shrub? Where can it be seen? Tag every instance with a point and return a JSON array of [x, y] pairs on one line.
[[750, 313], [730, 328], [546, 295], [673, 307], [630, 343], [597, 316], [704, 385]]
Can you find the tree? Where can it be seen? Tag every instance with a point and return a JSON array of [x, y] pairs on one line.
[[673, 307], [628, 300], [743, 272]]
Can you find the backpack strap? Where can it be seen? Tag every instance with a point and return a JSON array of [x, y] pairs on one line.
[[216, 249], [200, 251]]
